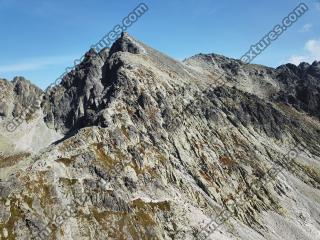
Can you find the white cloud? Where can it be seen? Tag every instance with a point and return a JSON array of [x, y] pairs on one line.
[[306, 28], [297, 59], [34, 64], [312, 48]]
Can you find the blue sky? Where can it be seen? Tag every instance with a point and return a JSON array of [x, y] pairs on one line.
[[40, 38]]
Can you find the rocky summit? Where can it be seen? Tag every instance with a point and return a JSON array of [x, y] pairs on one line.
[[133, 144]]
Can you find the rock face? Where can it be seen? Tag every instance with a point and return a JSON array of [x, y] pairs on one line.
[[17, 95], [300, 86], [153, 148], [22, 128], [73, 103]]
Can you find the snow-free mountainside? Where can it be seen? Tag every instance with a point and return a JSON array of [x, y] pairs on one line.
[[133, 144]]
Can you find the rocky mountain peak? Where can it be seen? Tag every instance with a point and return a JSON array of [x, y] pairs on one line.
[[17, 95], [304, 66], [314, 69], [126, 43], [19, 79]]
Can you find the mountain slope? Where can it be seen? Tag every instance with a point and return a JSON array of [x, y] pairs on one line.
[[155, 148]]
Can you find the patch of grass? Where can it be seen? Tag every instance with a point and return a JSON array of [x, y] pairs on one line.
[[30, 116], [140, 204], [66, 161], [119, 224], [226, 161], [42, 189], [153, 112], [28, 200], [162, 159], [13, 159], [144, 219], [143, 170], [68, 181], [206, 176], [125, 131], [106, 160], [130, 111], [16, 214], [312, 171]]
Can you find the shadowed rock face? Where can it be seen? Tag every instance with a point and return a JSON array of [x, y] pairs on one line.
[[74, 103], [300, 86], [155, 148]]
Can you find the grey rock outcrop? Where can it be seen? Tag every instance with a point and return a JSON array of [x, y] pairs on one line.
[[300, 86], [17, 95]]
